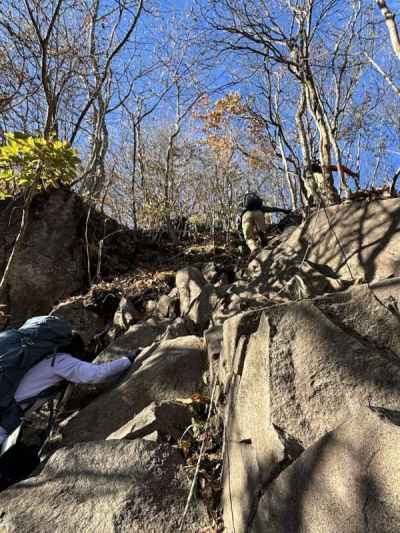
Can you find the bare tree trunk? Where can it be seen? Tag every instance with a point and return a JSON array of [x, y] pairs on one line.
[[44, 42], [292, 191], [343, 180], [168, 174], [391, 25], [325, 146], [133, 179], [88, 262], [303, 138]]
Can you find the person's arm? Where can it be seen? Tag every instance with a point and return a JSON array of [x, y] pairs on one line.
[[77, 371], [267, 209]]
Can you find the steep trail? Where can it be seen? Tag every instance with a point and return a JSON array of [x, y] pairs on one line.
[[284, 357]]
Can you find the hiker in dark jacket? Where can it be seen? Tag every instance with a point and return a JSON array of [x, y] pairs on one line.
[[64, 366], [254, 225]]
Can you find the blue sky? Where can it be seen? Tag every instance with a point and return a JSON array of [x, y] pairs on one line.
[[381, 130]]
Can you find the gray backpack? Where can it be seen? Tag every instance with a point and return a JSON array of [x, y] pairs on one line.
[[20, 350]]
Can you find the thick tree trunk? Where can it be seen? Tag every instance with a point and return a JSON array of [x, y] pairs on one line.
[[324, 138]]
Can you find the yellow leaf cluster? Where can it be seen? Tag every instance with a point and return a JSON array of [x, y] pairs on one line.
[[34, 162]]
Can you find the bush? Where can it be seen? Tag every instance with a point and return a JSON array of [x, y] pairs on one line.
[[35, 164]]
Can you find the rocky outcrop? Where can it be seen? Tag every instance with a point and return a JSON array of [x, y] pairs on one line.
[[49, 266], [198, 299], [293, 373], [109, 487], [355, 240], [165, 371], [253, 448], [51, 263], [307, 389], [346, 481]]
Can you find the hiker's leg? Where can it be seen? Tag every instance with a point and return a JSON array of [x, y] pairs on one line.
[[248, 229], [12, 417], [262, 227], [3, 435], [259, 218]]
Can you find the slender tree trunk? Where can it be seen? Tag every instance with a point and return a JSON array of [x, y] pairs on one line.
[[303, 139], [343, 181], [292, 191], [168, 179], [391, 25], [133, 180]]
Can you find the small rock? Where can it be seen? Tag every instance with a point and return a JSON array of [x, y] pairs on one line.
[[166, 418], [87, 323], [166, 306], [127, 314]]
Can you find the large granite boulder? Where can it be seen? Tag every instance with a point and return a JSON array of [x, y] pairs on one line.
[[355, 240], [198, 299], [347, 481], [254, 449], [295, 372], [107, 487], [49, 265], [165, 371], [137, 336]]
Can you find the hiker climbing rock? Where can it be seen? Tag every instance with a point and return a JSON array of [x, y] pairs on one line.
[[42, 354], [320, 190], [253, 223]]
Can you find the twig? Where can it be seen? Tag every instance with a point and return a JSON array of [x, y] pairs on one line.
[[191, 492], [87, 243]]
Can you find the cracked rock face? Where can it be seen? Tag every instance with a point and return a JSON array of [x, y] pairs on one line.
[[347, 481], [364, 244], [49, 264], [293, 374], [197, 298], [320, 374]]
